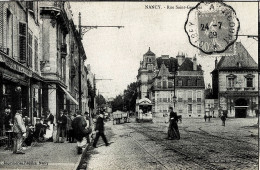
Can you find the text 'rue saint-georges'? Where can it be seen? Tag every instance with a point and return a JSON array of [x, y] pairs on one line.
[[168, 7]]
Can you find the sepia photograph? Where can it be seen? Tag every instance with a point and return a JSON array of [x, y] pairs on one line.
[[114, 85]]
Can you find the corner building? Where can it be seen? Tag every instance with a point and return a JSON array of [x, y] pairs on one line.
[[235, 83], [162, 78]]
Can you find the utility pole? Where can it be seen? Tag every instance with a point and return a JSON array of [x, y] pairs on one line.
[[82, 30], [79, 69]]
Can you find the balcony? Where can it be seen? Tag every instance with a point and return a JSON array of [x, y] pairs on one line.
[[63, 50], [5, 50], [249, 88]]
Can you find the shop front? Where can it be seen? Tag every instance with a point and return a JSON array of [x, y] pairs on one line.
[[14, 86]]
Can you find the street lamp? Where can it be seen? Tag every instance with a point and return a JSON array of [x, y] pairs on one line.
[[174, 99]]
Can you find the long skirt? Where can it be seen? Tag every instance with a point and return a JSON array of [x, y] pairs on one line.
[[173, 130]]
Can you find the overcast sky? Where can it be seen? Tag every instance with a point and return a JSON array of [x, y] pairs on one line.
[[116, 53]]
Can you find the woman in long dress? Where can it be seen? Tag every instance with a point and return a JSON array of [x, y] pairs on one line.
[[173, 131]]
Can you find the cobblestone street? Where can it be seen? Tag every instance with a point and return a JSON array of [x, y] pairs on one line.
[[203, 145]]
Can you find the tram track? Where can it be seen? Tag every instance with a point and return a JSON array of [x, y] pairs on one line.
[[187, 157], [200, 135]]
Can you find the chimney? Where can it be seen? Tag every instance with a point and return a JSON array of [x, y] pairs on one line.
[[216, 62], [194, 63], [180, 59]]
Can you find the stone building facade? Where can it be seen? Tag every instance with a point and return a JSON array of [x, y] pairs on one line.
[[39, 51], [164, 77], [235, 83]]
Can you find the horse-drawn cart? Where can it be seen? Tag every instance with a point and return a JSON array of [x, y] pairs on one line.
[[120, 117]]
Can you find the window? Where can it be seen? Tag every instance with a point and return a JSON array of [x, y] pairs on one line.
[[170, 84], [22, 42], [179, 82], [189, 96], [180, 111], [249, 82], [230, 82], [164, 84], [198, 82], [159, 84], [9, 33], [180, 95], [149, 67], [199, 96], [189, 82], [30, 48], [36, 54], [198, 108], [189, 108]]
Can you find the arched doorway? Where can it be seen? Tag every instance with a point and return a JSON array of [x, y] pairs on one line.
[[241, 108]]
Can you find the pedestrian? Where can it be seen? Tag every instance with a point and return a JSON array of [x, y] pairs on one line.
[[173, 131], [205, 117], [7, 119], [61, 128], [19, 133], [69, 128], [100, 129], [49, 117], [223, 118], [79, 129], [209, 117], [86, 114]]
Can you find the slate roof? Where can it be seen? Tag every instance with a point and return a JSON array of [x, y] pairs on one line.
[[189, 81], [171, 63], [149, 53], [187, 65], [242, 56]]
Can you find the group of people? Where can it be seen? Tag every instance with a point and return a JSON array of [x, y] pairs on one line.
[[81, 133]]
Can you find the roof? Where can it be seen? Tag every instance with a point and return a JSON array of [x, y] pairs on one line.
[[171, 63], [144, 101], [241, 60], [187, 65], [190, 81], [149, 52]]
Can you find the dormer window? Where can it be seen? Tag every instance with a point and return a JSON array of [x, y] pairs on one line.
[[249, 82], [239, 65]]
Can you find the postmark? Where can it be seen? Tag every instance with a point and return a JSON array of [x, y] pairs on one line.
[[212, 27]]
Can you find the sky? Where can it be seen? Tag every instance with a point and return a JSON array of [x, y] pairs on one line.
[[116, 53]]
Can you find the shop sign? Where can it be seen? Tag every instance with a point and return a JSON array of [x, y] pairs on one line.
[[15, 66]]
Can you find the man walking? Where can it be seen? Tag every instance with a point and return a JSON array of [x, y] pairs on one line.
[[100, 130], [19, 132], [80, 132], [62, 123]]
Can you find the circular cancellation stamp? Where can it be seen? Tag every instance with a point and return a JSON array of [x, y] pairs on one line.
[[212, 27]]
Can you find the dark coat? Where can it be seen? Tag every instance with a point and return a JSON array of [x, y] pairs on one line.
[[50, 118], [79, 128], [62, 121], [174, 116], [100, 124]]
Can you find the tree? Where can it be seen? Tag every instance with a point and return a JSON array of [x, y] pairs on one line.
[[100, 100], [130, 96], [117, 103]]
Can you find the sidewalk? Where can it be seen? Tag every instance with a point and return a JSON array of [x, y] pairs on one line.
[[46, 155]]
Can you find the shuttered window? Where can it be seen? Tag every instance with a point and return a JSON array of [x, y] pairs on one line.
[[22, 42], [36, 54], [30, 51]]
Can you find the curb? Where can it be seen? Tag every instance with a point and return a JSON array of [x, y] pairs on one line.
[[76, 167]]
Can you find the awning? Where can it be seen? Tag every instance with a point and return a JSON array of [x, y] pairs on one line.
[[69, 95]]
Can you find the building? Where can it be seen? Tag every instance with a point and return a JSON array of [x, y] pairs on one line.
[[235, 83], [40, 49], [164, 77], [20, 81]]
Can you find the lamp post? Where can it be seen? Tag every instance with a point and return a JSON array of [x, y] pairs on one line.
[[174, 98]]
